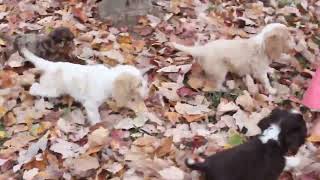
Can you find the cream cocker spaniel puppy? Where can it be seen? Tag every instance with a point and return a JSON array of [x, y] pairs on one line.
[[242, 56], [90, 85]]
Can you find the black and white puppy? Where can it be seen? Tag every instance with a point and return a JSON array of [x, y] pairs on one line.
[[263, 156]]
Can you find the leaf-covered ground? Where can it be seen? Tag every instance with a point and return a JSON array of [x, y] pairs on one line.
[[44, 138]]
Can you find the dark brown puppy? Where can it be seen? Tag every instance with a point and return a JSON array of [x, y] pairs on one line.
[[263, 156], [56, 46]]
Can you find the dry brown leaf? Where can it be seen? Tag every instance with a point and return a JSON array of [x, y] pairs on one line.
[[314, 138], [173, 117], [165, 147], [196, 82], [81, 164], [79, 13], [98, 137], [193, 118], [188, 109], [172, 173], [8, 79], [246, 101]]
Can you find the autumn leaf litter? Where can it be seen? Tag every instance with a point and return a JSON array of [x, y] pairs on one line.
[[44, 138]]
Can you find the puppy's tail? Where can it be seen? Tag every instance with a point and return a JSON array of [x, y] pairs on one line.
[[195, 164], [39, 62], [196, 51]]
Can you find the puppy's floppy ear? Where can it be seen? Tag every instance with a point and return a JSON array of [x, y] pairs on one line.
[[61, 34], [272, 118], [124, 88], [274, 45]]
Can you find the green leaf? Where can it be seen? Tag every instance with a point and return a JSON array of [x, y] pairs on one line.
[[236, 139], [215, 98]]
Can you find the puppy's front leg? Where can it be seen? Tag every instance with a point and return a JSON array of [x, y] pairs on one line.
[[263, 78], [38, 90], [217, 77], [291, 162], [92, 112]]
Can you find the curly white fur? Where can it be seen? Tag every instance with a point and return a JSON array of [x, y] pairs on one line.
[[90, 85], [242, 56]]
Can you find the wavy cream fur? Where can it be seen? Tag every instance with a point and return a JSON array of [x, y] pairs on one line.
[[90, 85], [242, 56]]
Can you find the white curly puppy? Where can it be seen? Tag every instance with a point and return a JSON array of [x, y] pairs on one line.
[[242, 56], [90, 85]]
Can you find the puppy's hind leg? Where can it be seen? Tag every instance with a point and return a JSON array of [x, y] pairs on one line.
[[218, 77], [92, 110]]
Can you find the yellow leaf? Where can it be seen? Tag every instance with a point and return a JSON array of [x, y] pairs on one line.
[[2, 42], [227, 146], [124, 40], [173, 117], [28, 121], [2, 134], [127, 48], [314, 138], [3, 111], [165, 147]]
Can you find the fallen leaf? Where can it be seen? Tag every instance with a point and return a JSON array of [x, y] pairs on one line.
[[165, 147], [250, 121], [246, 101], [235, 139], [125, 123], [30, 174], [18, 141], [154, 21], [172, 173], [173, 117], [113, 54], [193, 118], [81, 164], [181, 131], [114, 168], [15, 60], [169, 90], [26, 156], [226, 106], [3, 161], [314, 138], [175, 68], [79, 13], [8, 79], [98, 137], [185, 91], [188, 109], [67, 149]]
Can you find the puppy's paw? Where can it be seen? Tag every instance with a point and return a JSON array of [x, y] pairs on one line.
[[194, 160], [291, 162]]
